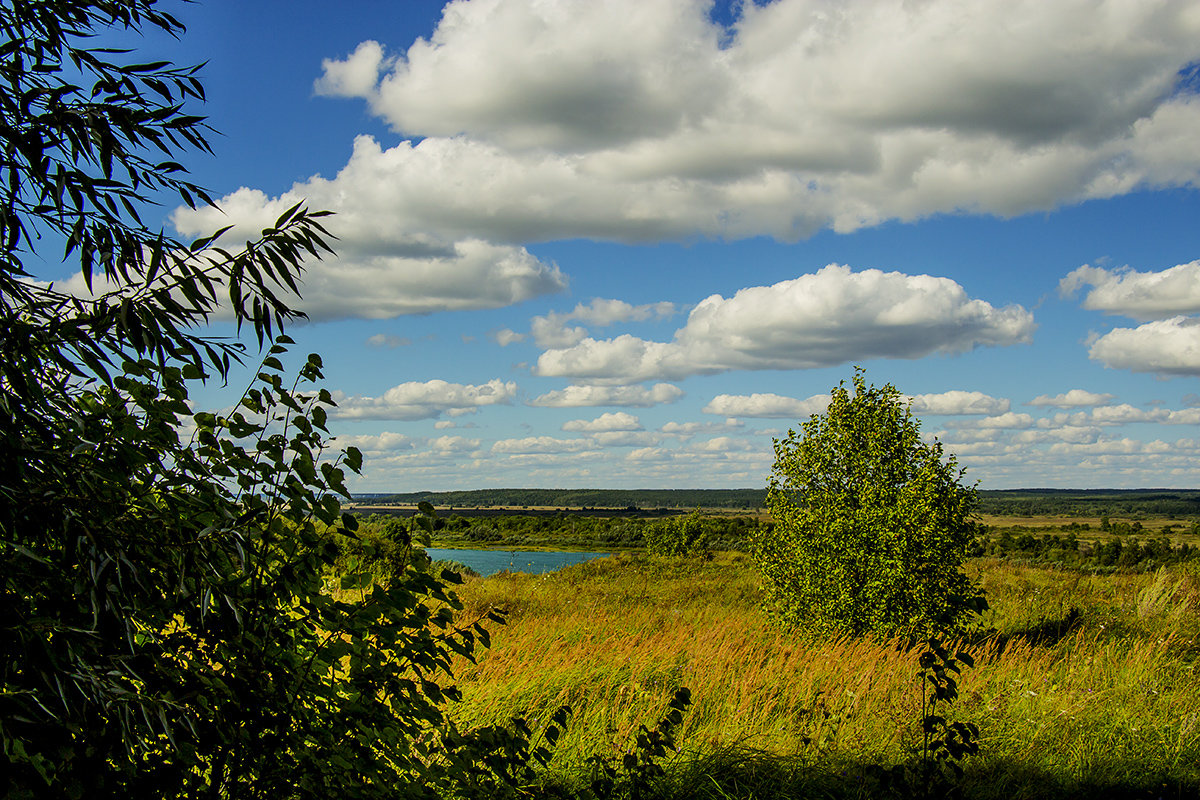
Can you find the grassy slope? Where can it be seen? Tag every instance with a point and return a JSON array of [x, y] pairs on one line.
[[1066, 701]]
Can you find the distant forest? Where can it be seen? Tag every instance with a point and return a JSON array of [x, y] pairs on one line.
[[1004, 502], [641, 499]]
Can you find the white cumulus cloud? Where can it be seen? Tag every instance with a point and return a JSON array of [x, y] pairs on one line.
[[379, 443], [1009, 420], [798, 116], [726, 444], [1076, 434], [379, 270], [831, 317], [355, 76], [1075, 398], [766, 405], [1187, 416], [454, 444], [1167, 347], [531, 445], [551, 330], [583, 395], [506, 336], [1138, 295], [625, 438], [685, 429], [608, 421], [1125, 414], [427, 400], [957, 402]]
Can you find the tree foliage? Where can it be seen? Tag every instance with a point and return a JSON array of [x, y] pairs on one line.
[[689, 535], [175, 630], [872, 523], [170, 625]]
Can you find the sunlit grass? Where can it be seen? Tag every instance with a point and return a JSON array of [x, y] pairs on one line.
[[1080, 679]]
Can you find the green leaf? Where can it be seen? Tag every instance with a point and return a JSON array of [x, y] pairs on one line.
[[356, 580]]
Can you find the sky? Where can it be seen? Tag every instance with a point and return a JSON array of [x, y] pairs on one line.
[[628, 244]]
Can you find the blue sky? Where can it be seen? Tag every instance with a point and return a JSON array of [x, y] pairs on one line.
[[626, 244]]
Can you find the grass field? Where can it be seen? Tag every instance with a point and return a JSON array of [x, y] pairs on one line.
[[1084, 686]]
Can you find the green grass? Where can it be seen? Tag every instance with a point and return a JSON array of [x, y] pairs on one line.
[[1083, 683]]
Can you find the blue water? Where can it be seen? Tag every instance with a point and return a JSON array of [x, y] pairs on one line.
[[489, 562]]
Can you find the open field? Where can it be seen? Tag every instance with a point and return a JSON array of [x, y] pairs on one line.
[[1084, 684]]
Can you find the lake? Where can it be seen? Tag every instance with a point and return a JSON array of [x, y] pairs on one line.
[[489, 562]]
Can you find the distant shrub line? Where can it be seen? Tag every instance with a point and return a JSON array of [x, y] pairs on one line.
[[1070, 550], [378, 548], [565, 530]]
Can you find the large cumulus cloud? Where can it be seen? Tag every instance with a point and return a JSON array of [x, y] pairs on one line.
[[831, 317], [638, 122], [381, 271]]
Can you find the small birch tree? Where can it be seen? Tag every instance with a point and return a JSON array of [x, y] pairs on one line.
[[872, 523]]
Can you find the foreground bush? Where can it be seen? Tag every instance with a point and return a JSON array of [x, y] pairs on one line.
[[167, 625]]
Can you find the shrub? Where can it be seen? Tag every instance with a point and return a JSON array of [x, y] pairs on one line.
[[678, 536], [872, 524]]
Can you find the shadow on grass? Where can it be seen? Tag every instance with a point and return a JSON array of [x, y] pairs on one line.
[[1046, 632], [743, 774]]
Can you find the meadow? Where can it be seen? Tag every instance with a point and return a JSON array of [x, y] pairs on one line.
[[1084, 684]]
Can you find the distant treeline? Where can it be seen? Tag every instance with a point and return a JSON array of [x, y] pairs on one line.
[[579, 498], [1091, 502], [1001, 502]]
